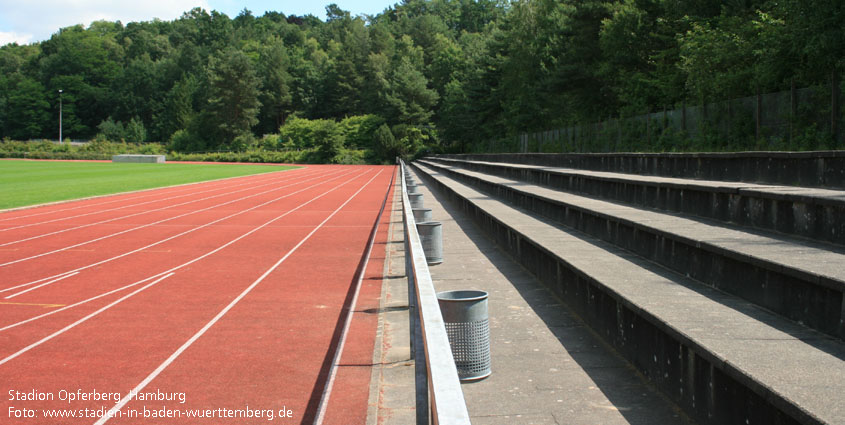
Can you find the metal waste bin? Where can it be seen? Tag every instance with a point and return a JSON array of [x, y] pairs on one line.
[[416, 200], [421, 214], [431, 237], [468, 328]]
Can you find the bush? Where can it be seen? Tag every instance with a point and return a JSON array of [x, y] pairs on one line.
[[185, 141], [386, 144], [359, 130]]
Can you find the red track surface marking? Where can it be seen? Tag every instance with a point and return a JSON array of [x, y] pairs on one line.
[[276, 278], [41, 285]]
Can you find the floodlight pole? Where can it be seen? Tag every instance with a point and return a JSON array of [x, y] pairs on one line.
[[60, 116]]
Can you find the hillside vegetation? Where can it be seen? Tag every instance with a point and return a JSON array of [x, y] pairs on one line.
[[423, 74]]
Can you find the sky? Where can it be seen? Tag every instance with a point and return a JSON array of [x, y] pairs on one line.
[[31, 21]]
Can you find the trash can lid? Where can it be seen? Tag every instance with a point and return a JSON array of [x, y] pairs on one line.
[[462, 295]]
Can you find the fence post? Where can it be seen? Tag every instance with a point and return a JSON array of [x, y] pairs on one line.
[[834, 105], [758, 113]]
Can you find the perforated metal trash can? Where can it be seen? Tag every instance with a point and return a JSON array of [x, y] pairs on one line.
[[421, 214], [416, 200], [468, 328], [431, 238]]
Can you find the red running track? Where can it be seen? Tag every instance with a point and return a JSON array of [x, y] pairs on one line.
[[226, 300]]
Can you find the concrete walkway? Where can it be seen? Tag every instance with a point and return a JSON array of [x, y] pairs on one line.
[[548, 368]]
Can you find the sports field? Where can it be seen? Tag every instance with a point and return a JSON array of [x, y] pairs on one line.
[[25, 182], [224, 302]]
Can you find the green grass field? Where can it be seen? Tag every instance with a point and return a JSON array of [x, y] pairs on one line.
[[36, 182]]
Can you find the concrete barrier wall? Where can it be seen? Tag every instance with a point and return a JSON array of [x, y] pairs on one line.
[[809, 169], [158, 159]]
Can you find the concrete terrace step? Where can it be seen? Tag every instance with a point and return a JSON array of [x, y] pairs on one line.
[[808, 212], [723, 360], [810, 169], [797, 279]]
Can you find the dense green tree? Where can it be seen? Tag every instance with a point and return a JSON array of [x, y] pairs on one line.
[[454, 73], [411, 101], [233, 95], [27, 114], [275, 97], [386, 143]]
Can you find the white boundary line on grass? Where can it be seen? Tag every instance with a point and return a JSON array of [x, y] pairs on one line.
[[129, 192], [175, 196]]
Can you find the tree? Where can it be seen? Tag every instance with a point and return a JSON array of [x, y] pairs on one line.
[[275, 97], [387, 145], [233, 99], [177, 110], [28, 111], [410, 98]]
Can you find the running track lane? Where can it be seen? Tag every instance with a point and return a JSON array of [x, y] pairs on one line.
[[157, 243], [120, 268], [266, 350]]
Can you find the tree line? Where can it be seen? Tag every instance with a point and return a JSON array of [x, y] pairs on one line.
[[423, 74]]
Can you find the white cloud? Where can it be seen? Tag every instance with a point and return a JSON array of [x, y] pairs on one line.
[[13, 37], [40, 19]]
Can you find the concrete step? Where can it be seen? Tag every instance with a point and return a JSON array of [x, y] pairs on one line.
[[548, 367], [808, 169], [797, 279], [813, 213], [723, 360]]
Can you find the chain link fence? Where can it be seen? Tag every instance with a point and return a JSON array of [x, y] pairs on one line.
[[793, 120]]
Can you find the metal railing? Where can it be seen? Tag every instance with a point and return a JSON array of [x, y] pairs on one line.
[[439, 398]]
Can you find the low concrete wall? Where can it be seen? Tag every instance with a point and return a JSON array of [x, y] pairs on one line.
[[159, 159], [810, 169]]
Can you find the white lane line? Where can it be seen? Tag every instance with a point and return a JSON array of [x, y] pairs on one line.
[[338, 354], [105, 294], [219, 315], [149, 192], [82, 320], [160, 221], [136, 214], [43, 284], [167, 239], [143, 248], [125, 206], [184, 264]]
